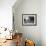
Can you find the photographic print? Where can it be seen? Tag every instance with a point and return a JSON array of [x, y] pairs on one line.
[[29, 19]]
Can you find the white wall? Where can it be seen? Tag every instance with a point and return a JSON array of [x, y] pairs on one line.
[[43, 22], [28, 7], [6, 13]]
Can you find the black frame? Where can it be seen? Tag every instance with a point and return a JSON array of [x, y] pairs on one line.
[[29, 15]]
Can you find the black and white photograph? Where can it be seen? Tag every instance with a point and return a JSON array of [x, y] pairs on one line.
[[29, 19]]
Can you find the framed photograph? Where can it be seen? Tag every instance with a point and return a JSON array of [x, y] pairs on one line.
[[29, 19]]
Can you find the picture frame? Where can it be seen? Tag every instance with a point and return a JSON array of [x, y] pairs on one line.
[[29, 19]]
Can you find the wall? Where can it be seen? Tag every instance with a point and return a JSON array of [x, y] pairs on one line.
[[6, 13], [28, 7], [43, 22]]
